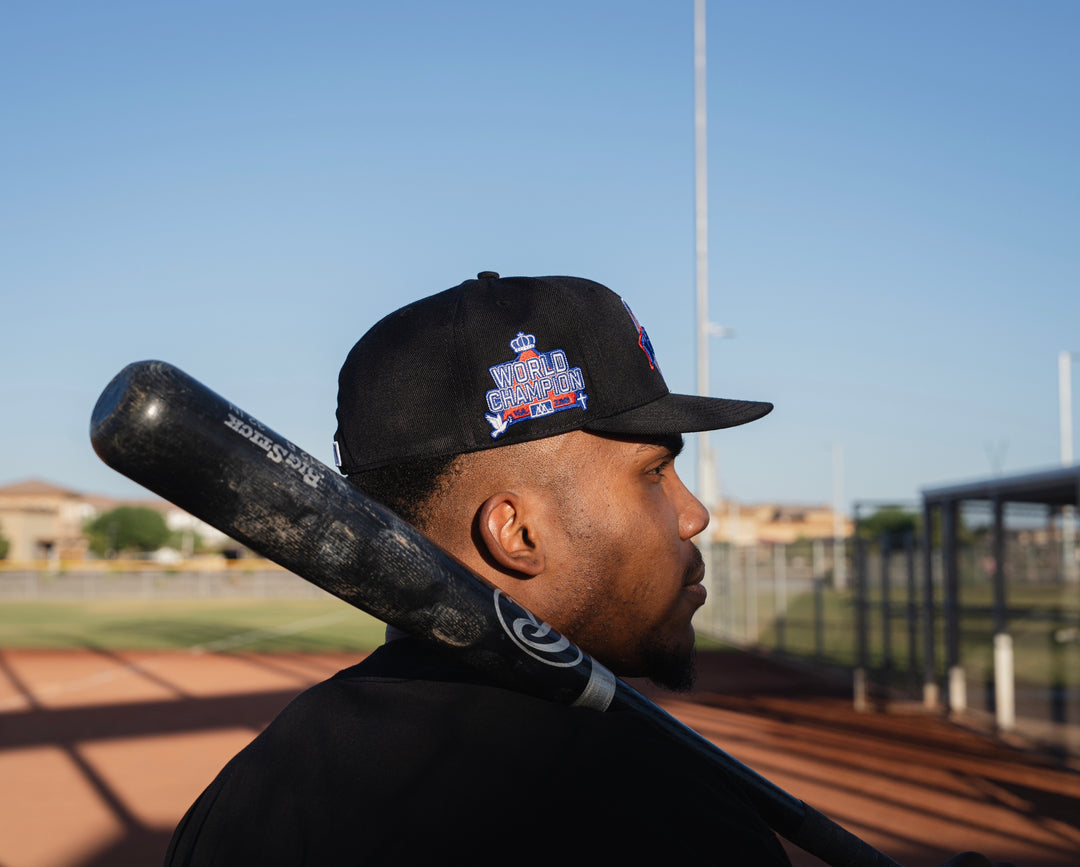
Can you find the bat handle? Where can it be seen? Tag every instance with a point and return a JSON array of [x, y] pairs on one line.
[[820, 835], [799, 823]]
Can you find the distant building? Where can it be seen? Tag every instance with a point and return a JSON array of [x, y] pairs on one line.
[[43, 521], [771, 523]]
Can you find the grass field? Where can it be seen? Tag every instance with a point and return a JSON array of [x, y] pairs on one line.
[[286, 626], [307, 625], [327, 625], [1041, 623]]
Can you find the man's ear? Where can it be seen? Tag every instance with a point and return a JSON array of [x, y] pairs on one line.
[[508, 534]]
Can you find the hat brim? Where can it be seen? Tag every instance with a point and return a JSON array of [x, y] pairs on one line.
[[681, 413]]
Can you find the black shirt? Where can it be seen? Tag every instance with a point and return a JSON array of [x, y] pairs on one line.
[[407, 758]]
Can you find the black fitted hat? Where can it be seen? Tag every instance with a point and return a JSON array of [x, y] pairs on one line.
[[504, 360]]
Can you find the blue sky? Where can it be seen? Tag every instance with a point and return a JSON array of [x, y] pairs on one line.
[[242, 188]]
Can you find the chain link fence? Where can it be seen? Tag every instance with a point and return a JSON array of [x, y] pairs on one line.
[[870, 608]]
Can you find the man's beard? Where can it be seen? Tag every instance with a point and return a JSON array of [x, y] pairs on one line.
[[672, 671]]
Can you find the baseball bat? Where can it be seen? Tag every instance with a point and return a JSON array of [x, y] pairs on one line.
[[171, 434]]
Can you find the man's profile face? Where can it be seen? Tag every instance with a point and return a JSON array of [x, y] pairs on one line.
[[620, 523]]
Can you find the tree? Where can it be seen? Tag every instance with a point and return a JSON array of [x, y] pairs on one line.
[[127, 528], [892, 521], [5, 546], [896, 523]]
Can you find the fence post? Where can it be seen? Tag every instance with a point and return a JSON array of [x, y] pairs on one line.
[[886, 607], [860, 686], [712, 585], [957, 681], [912, 608], [732, 576], [780, 579], [1004, 685], [751, 594], [819, 618], [930, 684]]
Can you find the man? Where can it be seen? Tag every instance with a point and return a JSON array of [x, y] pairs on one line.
[[523, 424]]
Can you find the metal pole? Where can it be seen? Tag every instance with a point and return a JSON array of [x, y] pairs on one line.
[[780, 579], [706, 460], [957, 682], [886, 608], [839, 555], [819, 618], [751, 600], [998, 541], [732, 579], [1004, 684], [930, 684], [912, 608], [860, 685], [1065, 406], [1070, 569], [861, 678]]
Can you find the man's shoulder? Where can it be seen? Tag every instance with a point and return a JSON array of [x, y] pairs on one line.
[[429, 717], [407, 741], [408, 686], [406, 671]]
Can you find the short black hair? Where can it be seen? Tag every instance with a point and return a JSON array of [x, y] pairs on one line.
[[407, 488]]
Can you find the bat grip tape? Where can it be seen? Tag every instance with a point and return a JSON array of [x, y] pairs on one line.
[[835, 845], [599, 691]]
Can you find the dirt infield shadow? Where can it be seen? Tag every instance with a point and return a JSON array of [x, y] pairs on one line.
[[892, 776], [911, 783], [72, 729]]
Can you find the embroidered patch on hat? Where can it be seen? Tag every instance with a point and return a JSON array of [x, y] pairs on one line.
[[532, 385], [642, 338]]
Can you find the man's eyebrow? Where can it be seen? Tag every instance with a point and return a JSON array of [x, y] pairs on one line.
[[672, 443]]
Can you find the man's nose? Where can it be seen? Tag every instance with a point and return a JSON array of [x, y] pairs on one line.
[[693, 516]]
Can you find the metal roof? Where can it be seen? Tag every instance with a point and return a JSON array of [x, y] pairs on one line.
[[1056, 487]]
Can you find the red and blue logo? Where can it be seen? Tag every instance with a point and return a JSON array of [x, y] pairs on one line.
[[643, 338], [532, 385]]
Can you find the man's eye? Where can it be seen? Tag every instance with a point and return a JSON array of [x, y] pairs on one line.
[[659, 469]]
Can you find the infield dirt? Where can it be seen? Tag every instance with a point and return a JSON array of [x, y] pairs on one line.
[[101, 753]]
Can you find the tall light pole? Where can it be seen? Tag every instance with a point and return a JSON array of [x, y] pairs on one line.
[[706, 461], [719, 591], [707, 488]]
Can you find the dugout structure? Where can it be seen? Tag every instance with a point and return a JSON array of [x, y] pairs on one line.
[[1057, 491]]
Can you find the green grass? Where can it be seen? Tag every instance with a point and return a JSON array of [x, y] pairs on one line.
[[1039, 659], [327, 625], [240, 625]]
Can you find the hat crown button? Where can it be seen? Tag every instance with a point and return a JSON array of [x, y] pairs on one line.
[[487, 275]]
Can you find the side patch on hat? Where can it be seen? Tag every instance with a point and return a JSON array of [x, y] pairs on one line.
[[532, 385], [643, 338]]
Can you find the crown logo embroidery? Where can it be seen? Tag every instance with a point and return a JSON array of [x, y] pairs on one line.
[[523, 342], [532, 385]]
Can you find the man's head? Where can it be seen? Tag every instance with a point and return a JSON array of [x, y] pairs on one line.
[[524, 425]]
